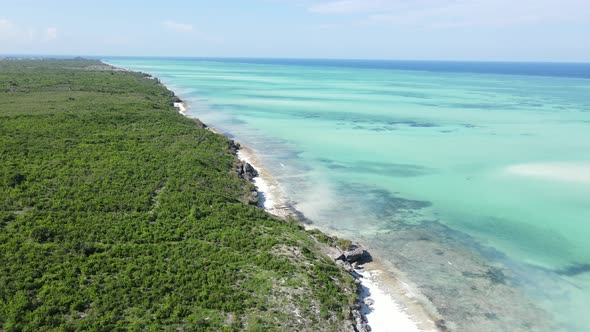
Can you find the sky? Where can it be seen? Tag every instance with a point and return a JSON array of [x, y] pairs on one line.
[[477, 30]]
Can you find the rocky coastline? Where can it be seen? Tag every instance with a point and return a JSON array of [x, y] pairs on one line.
[[349, 256]]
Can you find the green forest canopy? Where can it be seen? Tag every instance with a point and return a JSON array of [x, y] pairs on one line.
[[118, 213]]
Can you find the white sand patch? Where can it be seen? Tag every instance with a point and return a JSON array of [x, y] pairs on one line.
[[383, 313], [181, 108], [560, 171]]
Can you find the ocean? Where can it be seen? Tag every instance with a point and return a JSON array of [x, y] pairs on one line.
[[469, 180]]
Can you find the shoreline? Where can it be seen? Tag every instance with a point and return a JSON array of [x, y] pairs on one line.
[[452, 273], [385, 303]]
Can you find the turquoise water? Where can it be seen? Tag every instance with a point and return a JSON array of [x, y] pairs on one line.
[[474, 183]]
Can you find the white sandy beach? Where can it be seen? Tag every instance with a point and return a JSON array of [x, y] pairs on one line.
[[383, 313]]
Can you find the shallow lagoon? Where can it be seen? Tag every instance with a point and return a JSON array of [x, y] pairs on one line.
[[475, 185]]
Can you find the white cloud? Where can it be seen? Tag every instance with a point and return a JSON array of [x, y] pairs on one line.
[[347, 6], [30, 34], [458, 13], [5, 24], [177, 26], [7, 29], [50, 34], [190, 31], [14, 33]]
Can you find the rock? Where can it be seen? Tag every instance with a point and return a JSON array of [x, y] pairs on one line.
[[234, 146], [249, 169], [199, 123], [359, 321], [346, 265], [340, 257], [441, 325], [354, 254], [253, 199], [246, 171]]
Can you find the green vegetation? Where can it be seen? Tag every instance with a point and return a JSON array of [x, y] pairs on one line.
[[332, 241], [117, 213]]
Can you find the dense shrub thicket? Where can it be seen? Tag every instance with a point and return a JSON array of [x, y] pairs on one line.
[[117, 213]]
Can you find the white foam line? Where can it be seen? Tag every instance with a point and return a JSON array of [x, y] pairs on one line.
[[181, 108]]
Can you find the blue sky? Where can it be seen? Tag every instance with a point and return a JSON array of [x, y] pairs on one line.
[[497, 30]]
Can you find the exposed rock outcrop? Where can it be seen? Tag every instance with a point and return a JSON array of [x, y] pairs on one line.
[[253, 199], [351, 260], [234, 146], [246, 171], [359, 321], [345, 265], [354, 255]]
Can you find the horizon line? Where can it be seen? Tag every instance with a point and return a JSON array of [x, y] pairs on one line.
[[94, 56]]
